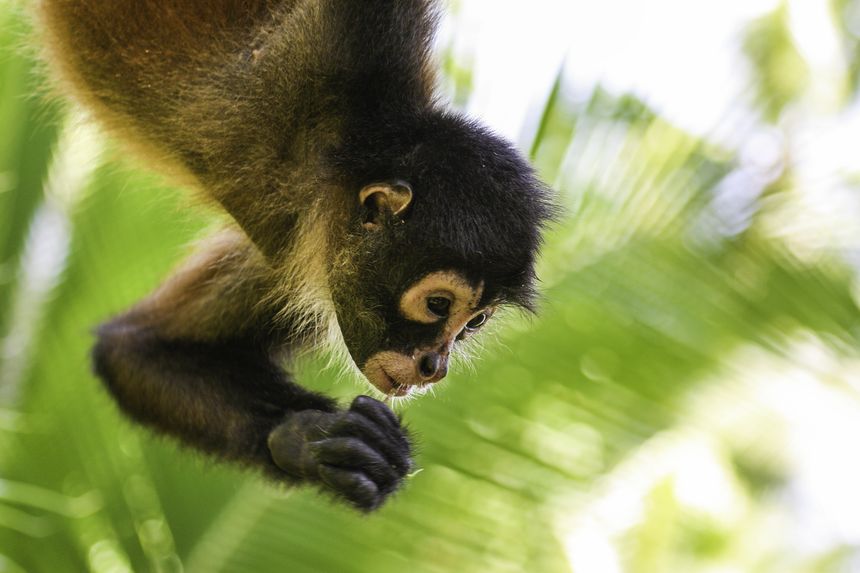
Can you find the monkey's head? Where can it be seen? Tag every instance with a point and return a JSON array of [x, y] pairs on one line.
[[445, 228]]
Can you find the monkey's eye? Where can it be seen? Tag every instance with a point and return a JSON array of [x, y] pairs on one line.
[[477, 322], [439, 305]]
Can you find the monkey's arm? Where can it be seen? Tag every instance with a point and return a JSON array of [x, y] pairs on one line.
[[197, 360]]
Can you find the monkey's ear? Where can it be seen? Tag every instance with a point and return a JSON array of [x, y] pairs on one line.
[[384, 200]]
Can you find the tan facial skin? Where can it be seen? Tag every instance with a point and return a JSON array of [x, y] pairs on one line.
[[397, 374]]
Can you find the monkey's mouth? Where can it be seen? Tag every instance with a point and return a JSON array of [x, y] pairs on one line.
[[392, 386], [391, 373]]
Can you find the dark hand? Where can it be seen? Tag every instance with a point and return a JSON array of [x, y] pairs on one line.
[[361, 455]]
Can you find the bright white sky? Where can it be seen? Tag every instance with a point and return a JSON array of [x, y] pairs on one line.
[[680, 56]]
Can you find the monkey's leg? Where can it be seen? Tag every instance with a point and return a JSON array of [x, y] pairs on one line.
[[198, 360]]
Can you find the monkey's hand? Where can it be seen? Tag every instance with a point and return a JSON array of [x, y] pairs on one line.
[[361, 454]]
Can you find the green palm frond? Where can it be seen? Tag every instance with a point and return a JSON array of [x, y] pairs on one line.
[[674, 304]]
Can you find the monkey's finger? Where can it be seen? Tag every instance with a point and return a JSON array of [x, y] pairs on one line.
[[393, 446], [376, 411], [288, 452], [355, 487], [352, 453]]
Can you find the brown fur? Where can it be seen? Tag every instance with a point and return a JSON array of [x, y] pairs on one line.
[[180, 82]]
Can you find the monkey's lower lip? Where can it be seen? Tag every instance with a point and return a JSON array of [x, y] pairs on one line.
[[394, 387]]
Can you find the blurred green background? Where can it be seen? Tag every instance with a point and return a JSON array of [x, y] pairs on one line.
[[686, 401]]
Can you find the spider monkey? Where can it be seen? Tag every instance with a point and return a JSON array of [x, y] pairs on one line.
[[365, 213]]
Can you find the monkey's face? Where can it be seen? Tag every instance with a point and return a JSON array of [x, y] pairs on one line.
[[399, 317], [433, 313]]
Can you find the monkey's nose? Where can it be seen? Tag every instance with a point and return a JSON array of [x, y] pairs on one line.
[[432, 366]]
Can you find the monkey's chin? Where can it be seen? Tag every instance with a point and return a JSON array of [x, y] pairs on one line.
[[387, 370]]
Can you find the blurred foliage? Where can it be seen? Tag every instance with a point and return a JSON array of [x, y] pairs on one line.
[[780, 70], [646, 422], [847, 16]]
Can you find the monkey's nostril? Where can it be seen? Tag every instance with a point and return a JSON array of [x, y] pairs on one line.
[[429, 364]]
